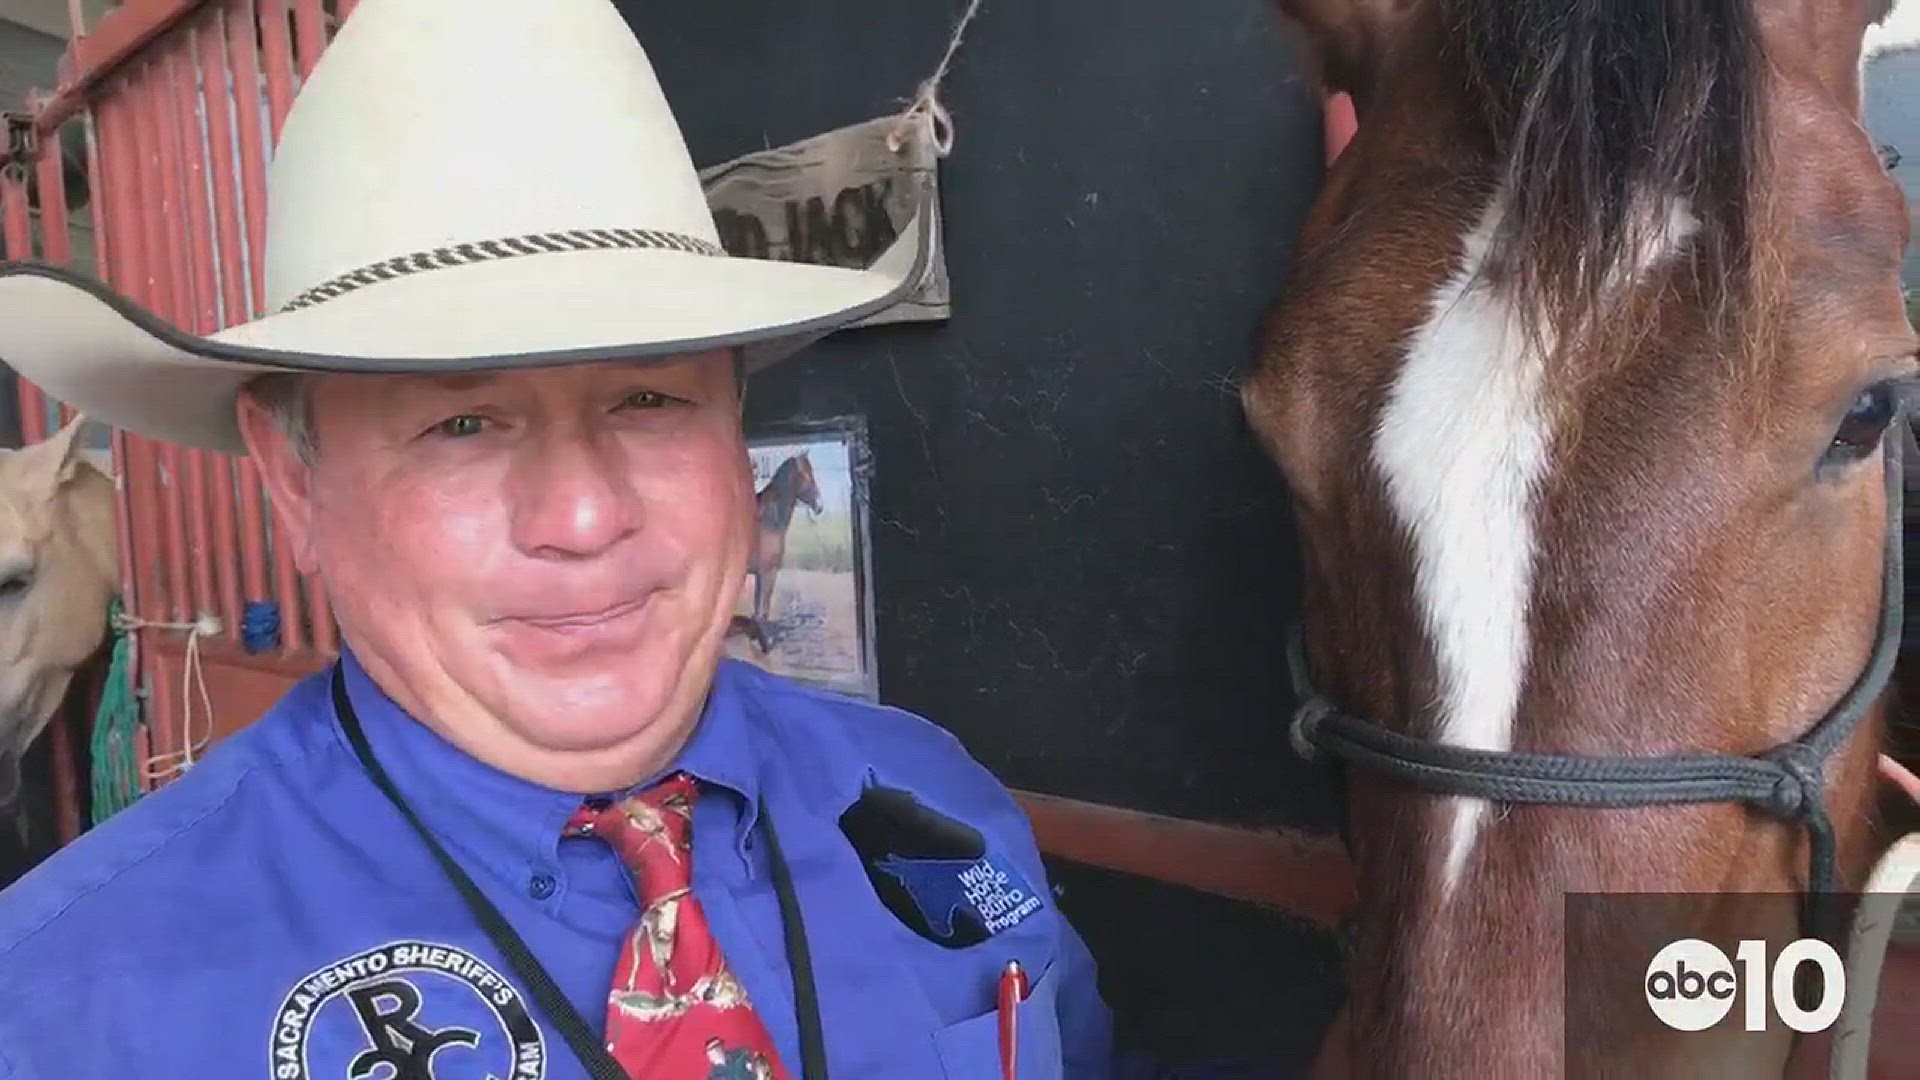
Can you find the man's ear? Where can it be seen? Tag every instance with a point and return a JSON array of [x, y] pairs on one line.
[[1347, 40], [288, 480]]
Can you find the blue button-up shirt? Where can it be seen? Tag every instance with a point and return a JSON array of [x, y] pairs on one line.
[[271, 914]]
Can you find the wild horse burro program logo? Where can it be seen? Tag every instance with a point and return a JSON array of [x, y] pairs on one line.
[[937, 875], [407, 1010]]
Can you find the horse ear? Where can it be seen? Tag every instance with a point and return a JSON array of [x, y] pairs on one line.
[[48, 464], [1892, 25], [1346, 39]]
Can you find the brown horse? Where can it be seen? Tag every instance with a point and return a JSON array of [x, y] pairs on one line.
[[59, 567], [792, 484], [1582, 381]]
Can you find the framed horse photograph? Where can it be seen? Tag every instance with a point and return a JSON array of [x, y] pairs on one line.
[[806, 608]]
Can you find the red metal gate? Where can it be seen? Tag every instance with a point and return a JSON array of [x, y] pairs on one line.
[[180, 101]]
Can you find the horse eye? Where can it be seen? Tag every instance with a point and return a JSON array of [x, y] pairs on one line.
[[15, 584], [1866, 422]]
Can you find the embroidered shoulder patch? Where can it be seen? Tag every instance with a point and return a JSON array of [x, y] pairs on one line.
[[935, 874], [424, 1010]]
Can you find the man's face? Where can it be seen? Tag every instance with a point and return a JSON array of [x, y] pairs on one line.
[[540, 564]]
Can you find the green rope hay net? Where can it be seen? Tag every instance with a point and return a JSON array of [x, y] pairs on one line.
[[116, 769]]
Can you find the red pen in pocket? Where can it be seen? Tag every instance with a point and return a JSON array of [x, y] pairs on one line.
[[1013, 990]]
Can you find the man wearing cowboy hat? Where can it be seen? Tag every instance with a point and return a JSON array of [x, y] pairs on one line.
[[531, 825]]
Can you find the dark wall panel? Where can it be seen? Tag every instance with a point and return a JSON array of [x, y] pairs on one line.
[[1084, 564]]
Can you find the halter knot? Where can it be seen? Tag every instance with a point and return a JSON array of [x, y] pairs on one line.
[[1306, 727], [1796, 794]]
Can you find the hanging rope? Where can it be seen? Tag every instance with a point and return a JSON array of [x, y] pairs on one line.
[[119, 778], [116, 775], [926, 106], [162, 767]]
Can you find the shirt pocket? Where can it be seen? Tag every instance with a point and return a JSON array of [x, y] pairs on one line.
[[970, 1049]]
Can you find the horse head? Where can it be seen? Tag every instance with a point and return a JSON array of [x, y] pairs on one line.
[[806, 489], [1584, 380], [59, 559]]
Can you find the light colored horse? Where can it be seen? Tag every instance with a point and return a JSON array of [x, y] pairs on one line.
[[59, 567], [1583, 381]]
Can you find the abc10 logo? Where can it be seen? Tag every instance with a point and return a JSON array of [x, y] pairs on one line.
[[1691, 984]]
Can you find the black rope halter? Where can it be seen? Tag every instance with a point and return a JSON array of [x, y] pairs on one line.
[[1785, 782]]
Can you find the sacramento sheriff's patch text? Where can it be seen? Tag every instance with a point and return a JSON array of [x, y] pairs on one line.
[[424, 1010]]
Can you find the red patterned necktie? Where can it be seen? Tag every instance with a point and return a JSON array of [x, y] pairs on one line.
[[675, 1011]]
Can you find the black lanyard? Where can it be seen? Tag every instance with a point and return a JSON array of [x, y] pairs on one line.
[[592, 1053]]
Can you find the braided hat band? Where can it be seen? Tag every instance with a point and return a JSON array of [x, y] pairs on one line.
[[504, 248]]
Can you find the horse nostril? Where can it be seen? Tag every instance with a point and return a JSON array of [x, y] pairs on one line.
[[15, 585]]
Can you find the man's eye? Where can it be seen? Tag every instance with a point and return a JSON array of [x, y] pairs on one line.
[[644, 399], [461, 426]]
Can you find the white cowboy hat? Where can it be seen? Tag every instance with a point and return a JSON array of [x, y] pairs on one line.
[[461, 185]]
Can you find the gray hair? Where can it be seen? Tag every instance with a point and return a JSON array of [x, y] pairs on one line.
[[287, 398]]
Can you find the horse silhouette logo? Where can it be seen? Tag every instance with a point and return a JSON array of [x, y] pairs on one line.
[[934, 873]]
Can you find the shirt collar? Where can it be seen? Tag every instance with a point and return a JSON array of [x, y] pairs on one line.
[[496, 813]]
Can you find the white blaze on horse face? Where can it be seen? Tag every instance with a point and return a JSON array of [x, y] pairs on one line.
[[1462, 443]]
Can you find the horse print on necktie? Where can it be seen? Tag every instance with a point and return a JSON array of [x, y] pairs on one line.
[[675, 1009]]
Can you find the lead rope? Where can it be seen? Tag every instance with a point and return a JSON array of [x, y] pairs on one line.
[[1888, 886]]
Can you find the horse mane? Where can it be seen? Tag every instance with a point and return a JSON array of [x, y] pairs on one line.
[[775, 500], [782, 477], [1605, 113]]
